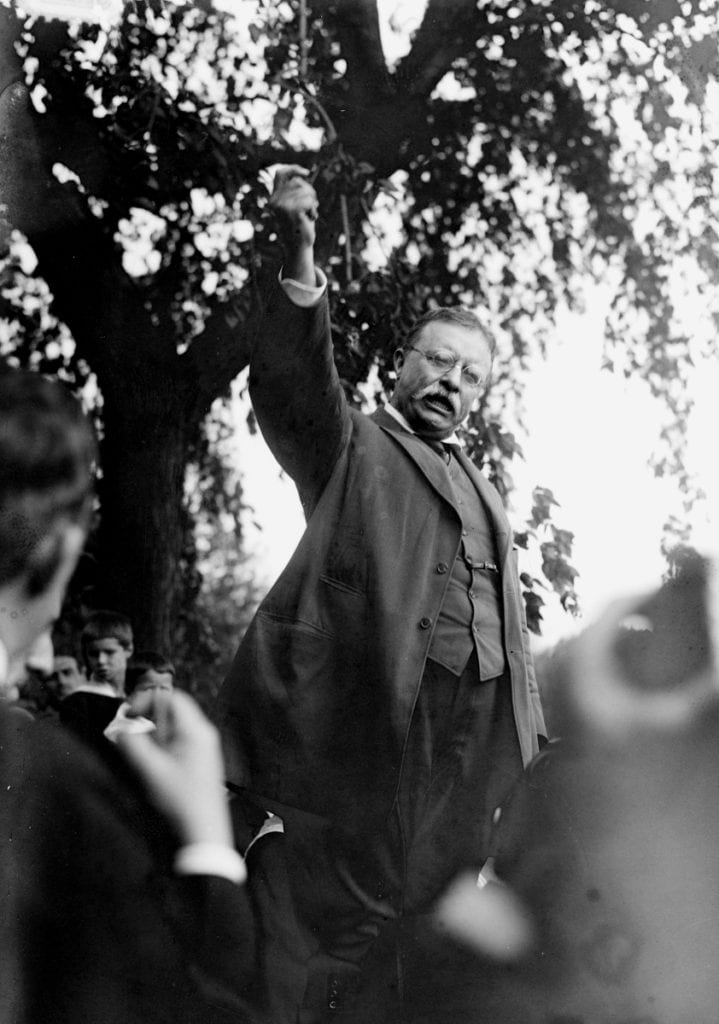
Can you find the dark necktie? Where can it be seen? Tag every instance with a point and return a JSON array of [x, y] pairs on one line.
[[442, 449]]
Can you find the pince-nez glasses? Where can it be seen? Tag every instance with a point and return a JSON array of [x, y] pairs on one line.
[[444, 362]]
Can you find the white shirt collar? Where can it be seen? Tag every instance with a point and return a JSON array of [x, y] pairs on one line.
[[397, 415], [90, 686]]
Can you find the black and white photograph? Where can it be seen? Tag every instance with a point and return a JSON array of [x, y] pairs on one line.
[[359, 511]]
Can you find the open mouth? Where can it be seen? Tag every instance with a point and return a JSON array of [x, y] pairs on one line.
[[440, 404]]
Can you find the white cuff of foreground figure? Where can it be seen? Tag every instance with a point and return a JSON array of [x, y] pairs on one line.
[[210, 859], [303, 294]]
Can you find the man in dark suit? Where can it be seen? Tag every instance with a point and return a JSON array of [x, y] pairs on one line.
[[119, 894], [383, 701]]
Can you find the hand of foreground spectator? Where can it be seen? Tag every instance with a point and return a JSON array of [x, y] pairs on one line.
[[181, 765], [294, 204], [628, 670], [491, 919]]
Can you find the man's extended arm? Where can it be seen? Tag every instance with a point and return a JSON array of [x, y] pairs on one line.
[[295, 389]]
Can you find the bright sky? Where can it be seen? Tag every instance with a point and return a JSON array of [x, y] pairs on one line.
[[590, 435]]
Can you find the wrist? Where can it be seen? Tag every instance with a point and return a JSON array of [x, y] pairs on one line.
[[205, 822], [300, 266]]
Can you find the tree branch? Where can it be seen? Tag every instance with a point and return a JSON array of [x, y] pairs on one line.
[[215, 358], [448, 30], [356, 25]]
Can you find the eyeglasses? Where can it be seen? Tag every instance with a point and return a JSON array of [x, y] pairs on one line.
[[444, 363]]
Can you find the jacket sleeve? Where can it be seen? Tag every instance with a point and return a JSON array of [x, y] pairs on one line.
[[296, 393], [214, 921], [99, 929]]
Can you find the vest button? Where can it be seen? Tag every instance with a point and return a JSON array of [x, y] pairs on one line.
[[425, 623], [442, 568]]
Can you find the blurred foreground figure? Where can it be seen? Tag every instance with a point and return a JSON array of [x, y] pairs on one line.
[[119, 894], [610, 849]]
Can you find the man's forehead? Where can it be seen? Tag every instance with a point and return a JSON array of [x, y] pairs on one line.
[[156, 677], [110, 642]]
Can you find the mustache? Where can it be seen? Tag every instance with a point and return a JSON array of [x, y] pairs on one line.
[[440, 396]]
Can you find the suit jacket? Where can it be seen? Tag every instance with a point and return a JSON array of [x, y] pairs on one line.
[[88, 715], [94, 925], [317, 706]]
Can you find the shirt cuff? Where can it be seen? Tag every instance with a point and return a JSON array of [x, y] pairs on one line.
[[210, 859], [303, 294]]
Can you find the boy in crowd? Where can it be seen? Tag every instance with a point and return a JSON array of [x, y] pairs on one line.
[[147, 672], [106, 642], [120, 899], [107, 645]]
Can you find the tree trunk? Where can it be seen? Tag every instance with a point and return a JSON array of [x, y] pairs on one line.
[[141, 532]]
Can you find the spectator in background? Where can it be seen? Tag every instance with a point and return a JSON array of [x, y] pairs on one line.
[[147, 672], [68, 674], [106, 641], [38, 690], [88, 711], [113, 907], [41, 692], [107, 645]]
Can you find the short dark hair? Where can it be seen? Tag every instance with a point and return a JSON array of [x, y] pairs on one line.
[[47, 458], [143, 662], [105, 624], [459, 315]]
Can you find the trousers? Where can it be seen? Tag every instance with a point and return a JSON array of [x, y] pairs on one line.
[[461, 761]]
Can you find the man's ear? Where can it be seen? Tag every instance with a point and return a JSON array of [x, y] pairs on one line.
[[130, 649], [398, 360]]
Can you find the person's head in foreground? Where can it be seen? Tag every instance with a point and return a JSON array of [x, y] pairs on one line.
[[47, 453]]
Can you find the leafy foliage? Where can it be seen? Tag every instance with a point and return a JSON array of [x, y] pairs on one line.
[[519, 149]]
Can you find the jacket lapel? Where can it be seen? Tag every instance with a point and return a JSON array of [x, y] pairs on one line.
[[428, 462], [436, 473]]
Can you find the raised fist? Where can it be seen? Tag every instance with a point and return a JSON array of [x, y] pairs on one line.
[[294, 204]]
